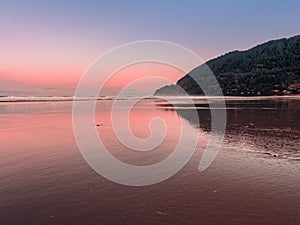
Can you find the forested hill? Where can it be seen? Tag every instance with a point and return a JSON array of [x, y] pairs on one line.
[[272, 68]]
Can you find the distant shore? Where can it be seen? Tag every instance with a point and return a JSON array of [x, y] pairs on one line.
[[11, 99]]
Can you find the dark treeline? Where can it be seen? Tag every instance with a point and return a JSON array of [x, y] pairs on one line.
[[272, 68]]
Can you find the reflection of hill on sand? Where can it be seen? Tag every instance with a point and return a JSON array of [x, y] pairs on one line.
[[270, 124]]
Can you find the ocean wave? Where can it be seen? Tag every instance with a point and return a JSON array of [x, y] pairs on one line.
[[50, 98]]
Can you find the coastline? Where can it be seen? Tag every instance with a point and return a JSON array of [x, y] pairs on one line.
[[11, 99]]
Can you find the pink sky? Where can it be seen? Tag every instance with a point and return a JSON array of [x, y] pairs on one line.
[[46, 46]]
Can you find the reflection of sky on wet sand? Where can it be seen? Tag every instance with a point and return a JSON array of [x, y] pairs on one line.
[[44, 176]]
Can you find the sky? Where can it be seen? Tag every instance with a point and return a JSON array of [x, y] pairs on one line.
[[46, 46]]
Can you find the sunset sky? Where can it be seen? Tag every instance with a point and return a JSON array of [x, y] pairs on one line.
[[47, 45]]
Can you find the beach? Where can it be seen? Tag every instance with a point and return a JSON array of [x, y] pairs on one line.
[[254, 179]]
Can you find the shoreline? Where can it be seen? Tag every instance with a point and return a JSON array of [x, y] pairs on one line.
[[14, 99]]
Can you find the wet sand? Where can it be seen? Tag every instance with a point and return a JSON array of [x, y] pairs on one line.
[[254, 179]]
